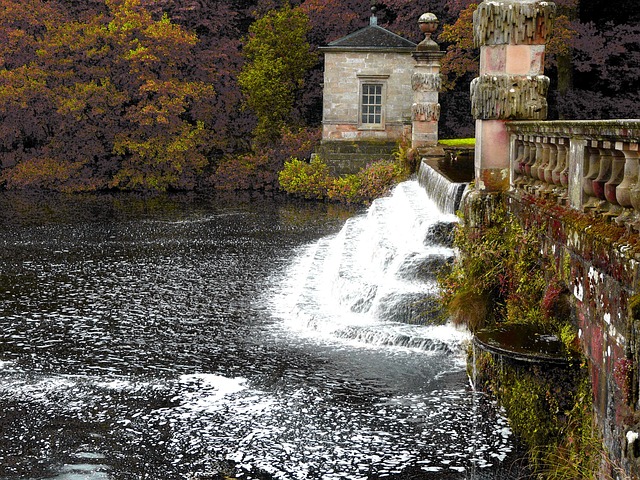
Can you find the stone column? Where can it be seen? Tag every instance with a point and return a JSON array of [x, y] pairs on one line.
[[511, 35], [425, 81]]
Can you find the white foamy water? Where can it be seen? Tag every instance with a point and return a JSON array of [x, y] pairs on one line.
[[375, 281]]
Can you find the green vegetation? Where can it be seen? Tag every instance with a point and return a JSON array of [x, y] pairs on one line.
[[551, 412], [501, 277], [458, 142], [313, 180], [278, 57]]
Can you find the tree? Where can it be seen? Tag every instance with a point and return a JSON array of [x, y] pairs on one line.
[[278, 56], [105, 103]]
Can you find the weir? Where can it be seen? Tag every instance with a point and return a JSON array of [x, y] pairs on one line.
[[445, 193]]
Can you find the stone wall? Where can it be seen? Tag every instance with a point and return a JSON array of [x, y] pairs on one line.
[[344, 71], [344, 157], [577, 180], [602, 276]]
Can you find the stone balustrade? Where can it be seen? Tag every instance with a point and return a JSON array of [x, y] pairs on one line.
[[591, 166]]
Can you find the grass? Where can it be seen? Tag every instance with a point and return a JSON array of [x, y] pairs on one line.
[[458, 142]]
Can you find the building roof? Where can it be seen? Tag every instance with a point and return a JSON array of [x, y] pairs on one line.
[[372, 37]]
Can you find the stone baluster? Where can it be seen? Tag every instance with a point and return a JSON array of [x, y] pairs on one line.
[[592, 168], [538, 159], [560, 174], [561, 161], [564, 175], [529, 156], [617, 175], [518, 160], [604, 174], [551, 164], [545, 159], [624, 191], [518, 175]]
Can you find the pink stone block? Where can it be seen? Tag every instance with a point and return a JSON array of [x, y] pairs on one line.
[[492, 144], [425, 127], [525, 59], [492, 59], [512, 59]]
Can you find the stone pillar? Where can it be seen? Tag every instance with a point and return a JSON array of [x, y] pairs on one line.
[[425, 81], [511, 35]]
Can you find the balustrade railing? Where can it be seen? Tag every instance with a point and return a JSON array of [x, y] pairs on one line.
[[587, 165]]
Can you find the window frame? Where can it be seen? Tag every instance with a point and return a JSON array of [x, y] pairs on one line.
[[376, 81]]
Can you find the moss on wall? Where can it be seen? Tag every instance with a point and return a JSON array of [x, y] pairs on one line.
[[517, 265]]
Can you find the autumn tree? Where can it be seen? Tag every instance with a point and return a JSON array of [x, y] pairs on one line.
[[105, 103], [277, 57]]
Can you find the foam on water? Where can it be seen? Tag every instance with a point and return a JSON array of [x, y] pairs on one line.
[[178, 362], [299, 435]]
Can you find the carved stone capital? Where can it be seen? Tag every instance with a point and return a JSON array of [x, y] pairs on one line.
[[514, 22], [426, 82], [509, 97], [425, 112]]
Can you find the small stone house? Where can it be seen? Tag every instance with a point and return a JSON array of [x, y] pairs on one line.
[[367, 96]]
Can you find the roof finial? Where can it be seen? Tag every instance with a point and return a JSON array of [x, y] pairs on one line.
[[374, 9]]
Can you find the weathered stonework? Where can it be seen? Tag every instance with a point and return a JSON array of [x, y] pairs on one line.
[[505, 97], [425, 112], [371, 59], [513, 22], [511, 35], [343, 157], [344, 73], [426, 82], [602, 276]]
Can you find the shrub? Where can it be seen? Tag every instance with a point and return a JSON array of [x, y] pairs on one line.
[[378, 178], [345, 189], [500, 265], [306, 180], [246, 172], [259, 170], [313, 181]]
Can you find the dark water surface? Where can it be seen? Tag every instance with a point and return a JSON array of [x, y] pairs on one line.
[[146, 339]]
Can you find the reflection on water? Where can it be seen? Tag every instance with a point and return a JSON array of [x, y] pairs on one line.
[[145, 339]]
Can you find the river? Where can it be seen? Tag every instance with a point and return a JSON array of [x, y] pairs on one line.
[[198, 337]]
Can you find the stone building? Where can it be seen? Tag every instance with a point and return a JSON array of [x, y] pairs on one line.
[[367, 96]]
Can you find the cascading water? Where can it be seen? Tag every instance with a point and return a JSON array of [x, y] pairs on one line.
[[444, 193], [375, 281], [372, 288]]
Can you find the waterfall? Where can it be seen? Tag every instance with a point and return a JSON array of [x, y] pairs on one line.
[[444, 193], [375, 282]]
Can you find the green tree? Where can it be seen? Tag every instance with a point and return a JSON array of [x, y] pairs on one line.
[[277, 58]]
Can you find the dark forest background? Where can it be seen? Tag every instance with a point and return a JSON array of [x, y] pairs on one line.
[[182, 94]]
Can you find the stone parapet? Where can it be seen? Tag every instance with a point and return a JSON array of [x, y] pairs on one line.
[[590, 166], [515, 22]]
